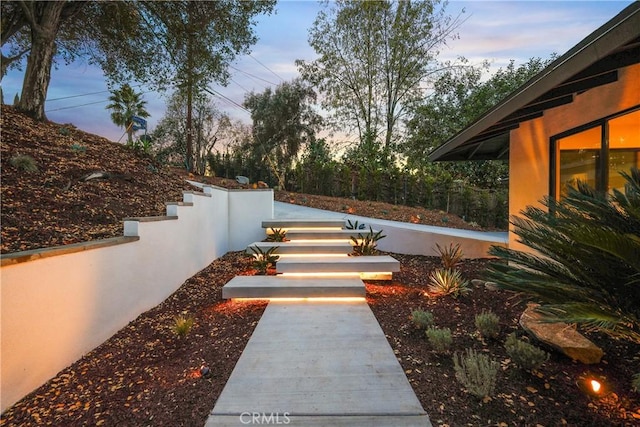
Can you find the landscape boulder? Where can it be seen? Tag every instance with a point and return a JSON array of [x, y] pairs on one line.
[[560, 336]]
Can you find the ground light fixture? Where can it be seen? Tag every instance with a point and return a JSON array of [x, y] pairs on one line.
[[592, 385]]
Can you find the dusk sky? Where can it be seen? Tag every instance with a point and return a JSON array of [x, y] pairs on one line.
[[497, 31]]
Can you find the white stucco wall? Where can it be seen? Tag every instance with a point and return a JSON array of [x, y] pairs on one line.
[[529, 152], [60, 304]]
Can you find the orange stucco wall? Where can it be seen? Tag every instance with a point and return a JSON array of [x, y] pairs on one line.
[[529, 153]]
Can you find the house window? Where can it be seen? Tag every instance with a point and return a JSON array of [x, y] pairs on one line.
[[596, 153]]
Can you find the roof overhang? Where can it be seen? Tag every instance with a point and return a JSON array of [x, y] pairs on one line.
[[593, 62]]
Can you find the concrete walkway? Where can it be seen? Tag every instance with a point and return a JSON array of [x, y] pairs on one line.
[[318, 364]]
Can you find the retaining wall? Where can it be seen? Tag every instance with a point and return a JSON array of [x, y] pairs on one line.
[[59, 303]]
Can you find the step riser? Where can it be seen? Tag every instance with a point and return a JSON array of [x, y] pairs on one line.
[[283, 287]]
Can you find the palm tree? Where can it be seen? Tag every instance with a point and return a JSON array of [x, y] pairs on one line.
[[125, 103], [587, 270]]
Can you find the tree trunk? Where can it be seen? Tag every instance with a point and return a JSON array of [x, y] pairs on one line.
[[44, 20]]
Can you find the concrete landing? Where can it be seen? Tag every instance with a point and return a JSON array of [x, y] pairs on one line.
[[303, 223], [292, 287], [325, 234], [319, 364]]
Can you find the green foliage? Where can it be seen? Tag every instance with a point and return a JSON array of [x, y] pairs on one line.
[[277, 235], [422, 319], [450, 255], [373, 58], [476, 372], [78, 148], [283, 121], [444, 281], [64, 131], [488, 324], [440, 339], [24, 163], [586, 265], [461, 95], [525, 355], [636, 382], [263, 260], [366, 244], [182, 325]]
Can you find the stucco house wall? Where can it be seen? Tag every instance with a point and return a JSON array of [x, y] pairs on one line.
[[529, 157]]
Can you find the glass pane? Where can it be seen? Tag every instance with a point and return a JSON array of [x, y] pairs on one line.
[[578, 159], [624, 147]]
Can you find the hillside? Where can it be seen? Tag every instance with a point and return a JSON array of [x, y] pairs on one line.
[[54, 206]]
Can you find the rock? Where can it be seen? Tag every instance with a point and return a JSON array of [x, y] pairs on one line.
[[490, 286], [243, 180], [560, 336]]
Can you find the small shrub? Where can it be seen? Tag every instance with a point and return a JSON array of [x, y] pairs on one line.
[[444, 281], [476, 372], [636, 382], [525, 355], [77, 148], [182, 325], [263, 260], [64, 131], [24, 163], [422, 319], [451, 256], [488, 324], [277, 235], [365, 244], [440, 339]]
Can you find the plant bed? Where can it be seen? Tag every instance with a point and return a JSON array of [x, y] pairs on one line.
[[146, 374]]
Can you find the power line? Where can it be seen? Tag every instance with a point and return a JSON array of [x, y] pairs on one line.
[[84, 105], [225, 98], [272, 72], [252, 75], [84, 94], [76, 106]]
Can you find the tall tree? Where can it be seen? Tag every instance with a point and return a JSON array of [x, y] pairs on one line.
[[375, 57], [283, 122], [124, 104], [144, 41], [210, 127], [190, 45], [39, 23]]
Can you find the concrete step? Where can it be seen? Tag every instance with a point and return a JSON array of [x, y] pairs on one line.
[[338, 247], [369, 267], [325, 234], [324, 364], [292, 287], [304, 223]]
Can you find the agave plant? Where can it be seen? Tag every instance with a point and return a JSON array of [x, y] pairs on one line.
[[264, 260], [446, 281], [586, 265], [366, 244], [450, 255], [277, 235]]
